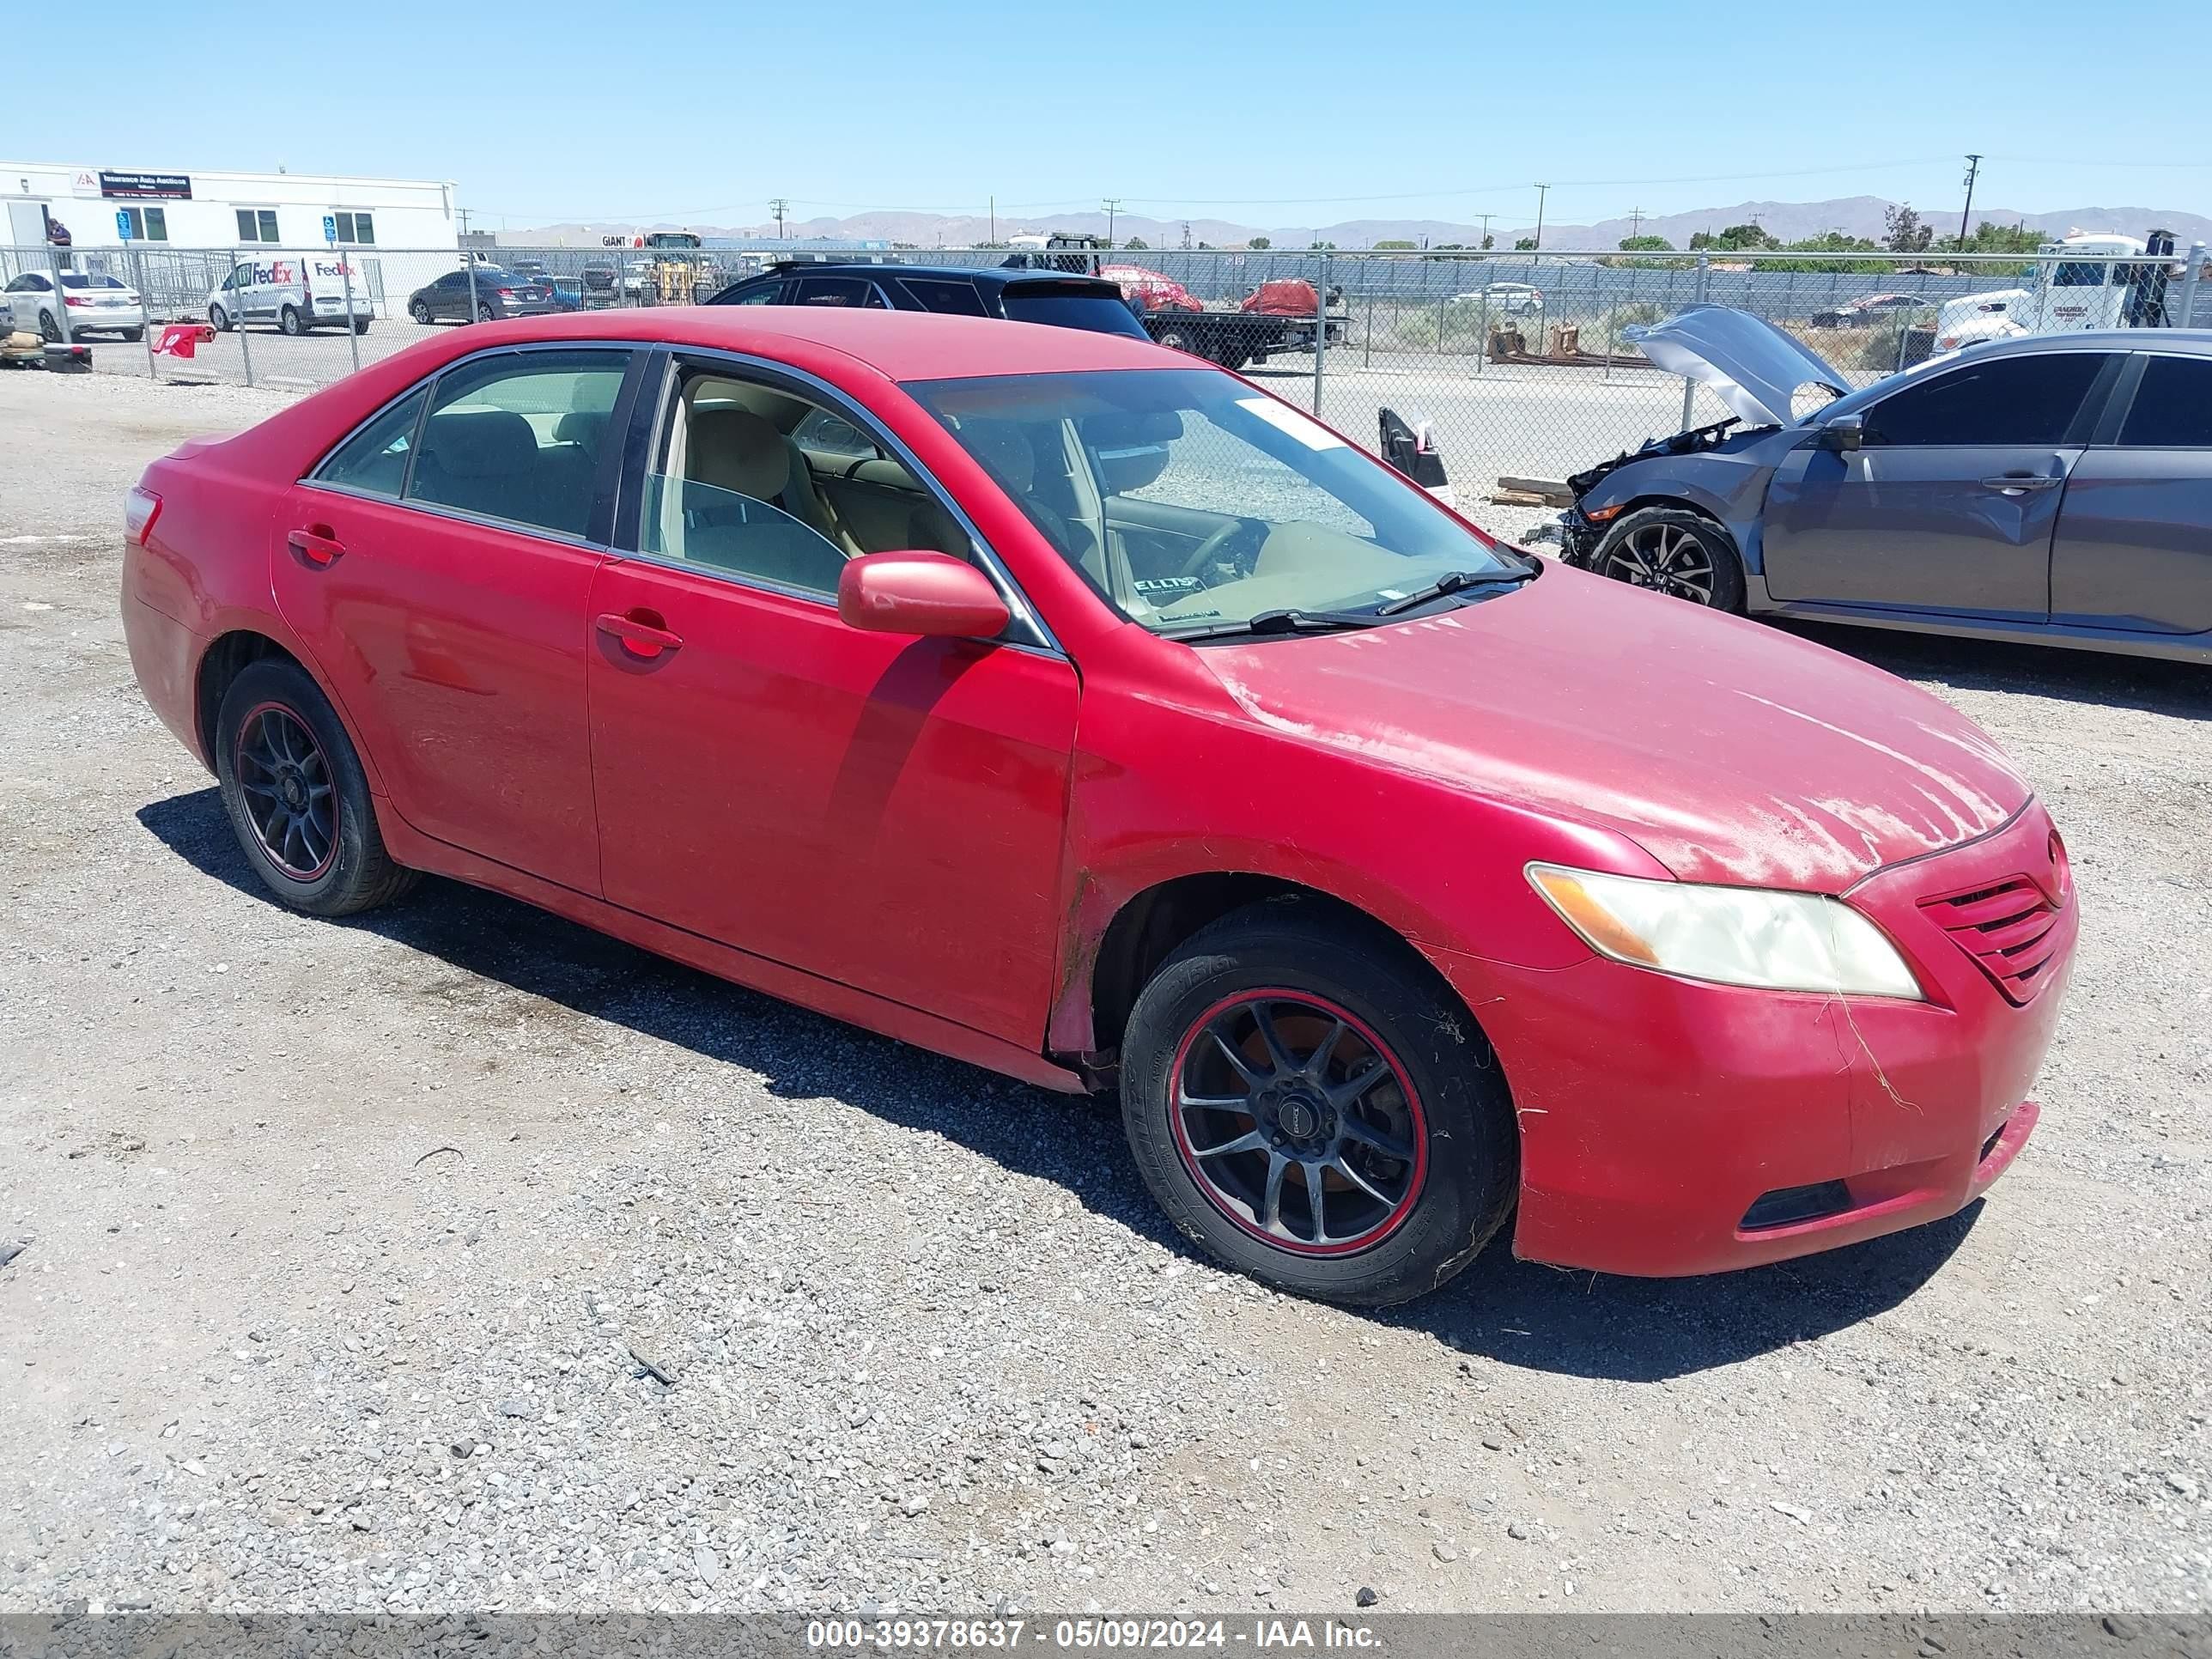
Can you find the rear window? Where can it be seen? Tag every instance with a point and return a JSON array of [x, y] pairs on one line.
[[1071, 307], [2172, 408], [944, 294]]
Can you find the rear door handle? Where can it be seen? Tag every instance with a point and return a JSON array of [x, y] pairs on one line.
[[2015, 484], [316, 547], [641, 638]]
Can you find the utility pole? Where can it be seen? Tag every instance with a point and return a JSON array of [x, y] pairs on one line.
[[778, 208], [1113, 206], [1973, 166], [1186, 235], [1538, 239], [994, 221], [1484, 237], [1635, 221]]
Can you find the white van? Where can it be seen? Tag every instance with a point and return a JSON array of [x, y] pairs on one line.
[[295, 291]]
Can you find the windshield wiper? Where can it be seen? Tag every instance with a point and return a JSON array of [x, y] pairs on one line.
[[1452, 581], [1277, 621]]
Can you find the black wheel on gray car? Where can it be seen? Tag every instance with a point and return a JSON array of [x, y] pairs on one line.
[[297, 797], [420, 312], [1676, 551], [1311, 1104], [219, 319], [484, 312], [288, 320]]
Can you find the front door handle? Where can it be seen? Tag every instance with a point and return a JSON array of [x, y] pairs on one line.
[[316, 547], [2015, 483], [641, 638]]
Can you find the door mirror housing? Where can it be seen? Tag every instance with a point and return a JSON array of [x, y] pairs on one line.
[[1845, 432], [930, 594]]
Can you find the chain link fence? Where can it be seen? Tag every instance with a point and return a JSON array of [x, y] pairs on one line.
[[1523, 365]]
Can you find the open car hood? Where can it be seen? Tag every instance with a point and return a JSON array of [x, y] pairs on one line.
[[1751, 364]]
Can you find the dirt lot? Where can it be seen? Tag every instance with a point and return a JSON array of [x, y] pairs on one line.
[[343, 1245]]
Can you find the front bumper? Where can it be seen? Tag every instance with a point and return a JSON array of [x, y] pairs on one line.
[[1655, 1112]]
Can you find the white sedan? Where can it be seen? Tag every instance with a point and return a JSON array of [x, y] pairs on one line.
[[93, 305]]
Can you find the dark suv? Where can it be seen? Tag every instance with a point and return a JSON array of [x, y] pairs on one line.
[[1020, 296]]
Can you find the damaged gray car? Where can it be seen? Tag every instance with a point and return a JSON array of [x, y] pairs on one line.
[[2054, 489]]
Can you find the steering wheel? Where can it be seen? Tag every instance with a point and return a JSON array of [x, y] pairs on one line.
[[1210, 549]]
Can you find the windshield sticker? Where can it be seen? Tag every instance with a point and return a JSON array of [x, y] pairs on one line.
[[1282, 417]]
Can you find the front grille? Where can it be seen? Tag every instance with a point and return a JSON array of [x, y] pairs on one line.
[[2007, 929]]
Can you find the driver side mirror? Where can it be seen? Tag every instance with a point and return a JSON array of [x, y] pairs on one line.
[[1845, 432], [933, 595]]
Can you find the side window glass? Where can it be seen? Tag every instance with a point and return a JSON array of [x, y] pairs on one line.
[[2172, 408], [764, 295], [2030, 399], [519, 437], [942, 293], [374, 459], [730, 492], [855, 291]]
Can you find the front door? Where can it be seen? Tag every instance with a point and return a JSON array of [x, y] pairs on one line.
[[2133, 545], [438, 566], [1950, 503], [882, 811]]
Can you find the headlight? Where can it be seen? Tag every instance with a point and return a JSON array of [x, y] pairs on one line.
[[1750, 936]]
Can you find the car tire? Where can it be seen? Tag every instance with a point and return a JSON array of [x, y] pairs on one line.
[[361, 325], [1175, 339], [419, 311], [1394, 1228], [485, 313], [134, 334], [289, 322], [297, 797], [219, 319], [1675, 551], [49, 330]]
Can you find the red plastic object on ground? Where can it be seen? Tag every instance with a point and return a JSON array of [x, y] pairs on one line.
[[182, 339]]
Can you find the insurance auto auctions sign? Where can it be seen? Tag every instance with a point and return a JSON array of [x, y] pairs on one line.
[[168, 186]]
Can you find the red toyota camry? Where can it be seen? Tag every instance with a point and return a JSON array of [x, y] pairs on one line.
[[1051, 701]]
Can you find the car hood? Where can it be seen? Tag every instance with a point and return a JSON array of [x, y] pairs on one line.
[[1728, 750], [1752, 365]]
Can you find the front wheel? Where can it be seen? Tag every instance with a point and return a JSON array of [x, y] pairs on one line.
[[297, 797], [219, 319], [49, 330], [1675, 551], [1307, 1102], [134, 334], [1175, 339], [420, 312]]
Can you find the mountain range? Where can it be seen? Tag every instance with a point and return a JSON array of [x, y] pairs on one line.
[[1788, 222]]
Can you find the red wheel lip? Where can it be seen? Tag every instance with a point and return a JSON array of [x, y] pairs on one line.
[[1391, 1223], [273, 706]]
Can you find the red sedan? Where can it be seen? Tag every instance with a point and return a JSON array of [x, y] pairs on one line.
[[1046, 699]]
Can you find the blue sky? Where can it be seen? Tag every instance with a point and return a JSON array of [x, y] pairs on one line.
[[547, 110]]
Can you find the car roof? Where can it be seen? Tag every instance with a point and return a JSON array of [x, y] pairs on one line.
[[2194, 341], [902, 345], [1000, 276]]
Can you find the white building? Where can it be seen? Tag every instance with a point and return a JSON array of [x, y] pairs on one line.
[[99, 205]]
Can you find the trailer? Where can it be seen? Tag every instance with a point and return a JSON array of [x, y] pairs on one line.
[[1283, 316]]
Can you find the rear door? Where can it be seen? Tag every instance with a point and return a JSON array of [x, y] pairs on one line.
[[1950, 504], [437, 566], [2134, 544]]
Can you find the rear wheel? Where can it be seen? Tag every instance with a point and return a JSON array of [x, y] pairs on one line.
[[1175, 339], [288, 320], [1314, 1107], [1675, 551], [134, 333], [297, 797], [484, 312], [361, 325]]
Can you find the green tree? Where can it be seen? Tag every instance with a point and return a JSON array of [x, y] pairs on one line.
[[2003, 238], [1321, 247], [1395, 244], [1449, 247], [1136, 243], [1646, 245], [1902, 231], [1258, 242], [1526, 245], [1488, 243]]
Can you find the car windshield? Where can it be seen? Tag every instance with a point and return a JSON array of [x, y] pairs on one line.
[[1193, 504]]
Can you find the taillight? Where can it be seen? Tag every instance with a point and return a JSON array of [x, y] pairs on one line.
[[1947, 342], [140, 508], [74, 300], [507, 294]]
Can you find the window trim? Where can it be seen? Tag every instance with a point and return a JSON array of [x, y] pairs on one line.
[[2086, 420], [882, 300], [605, 503], [655, 397]]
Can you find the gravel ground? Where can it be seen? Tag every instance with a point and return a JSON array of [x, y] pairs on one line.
[[460, 1258]]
